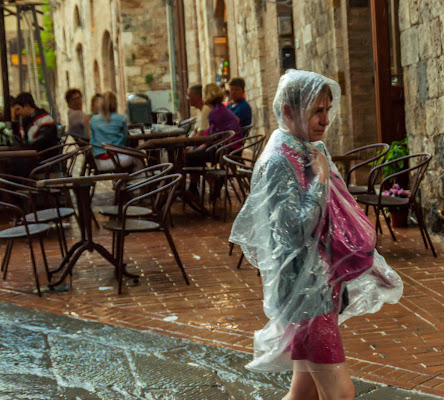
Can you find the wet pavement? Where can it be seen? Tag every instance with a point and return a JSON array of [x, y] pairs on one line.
[[46, 356], [402, 345]]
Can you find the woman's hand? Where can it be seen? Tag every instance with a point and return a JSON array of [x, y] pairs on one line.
[[319, 165]]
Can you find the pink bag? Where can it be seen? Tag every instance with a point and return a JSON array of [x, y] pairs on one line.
[[348, 239]]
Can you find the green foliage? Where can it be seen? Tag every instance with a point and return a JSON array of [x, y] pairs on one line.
[[149, 78], [398, 149]]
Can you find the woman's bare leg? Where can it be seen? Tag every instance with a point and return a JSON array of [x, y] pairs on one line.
[[333, 382], [302, 387]]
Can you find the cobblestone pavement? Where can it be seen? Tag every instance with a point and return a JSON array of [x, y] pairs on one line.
[[47, 356], [402, 345]]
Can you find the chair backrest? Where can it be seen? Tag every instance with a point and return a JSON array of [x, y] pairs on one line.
[[246, 130], [188, 124], [241, 173], [251, 149], [366, 156], [9, 190], [112, 150], [64, 164], [417, 165], [163, 190], [139, 109], [123, 187]]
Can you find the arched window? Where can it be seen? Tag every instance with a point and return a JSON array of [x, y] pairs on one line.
[[108, 69], [81, 69], [97, 84], [91, 13], [77, 20]]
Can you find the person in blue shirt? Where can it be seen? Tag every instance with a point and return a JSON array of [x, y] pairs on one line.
[[238, 104], [111, 128]]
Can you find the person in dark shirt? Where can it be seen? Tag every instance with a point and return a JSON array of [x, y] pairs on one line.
[[38, 131], [238, 104]]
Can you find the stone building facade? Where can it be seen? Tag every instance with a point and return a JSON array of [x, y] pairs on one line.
[[111, 45], [422, 51], [258, 40], [335, 38]]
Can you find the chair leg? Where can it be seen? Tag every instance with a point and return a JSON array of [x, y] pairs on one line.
[[59, 235], [45, 261], [419, 216], [5, 262], [176, 255], [120, 249], [34, 267], [7, 253], [388, 225], [241, 258], [378, 224], [231, 249]]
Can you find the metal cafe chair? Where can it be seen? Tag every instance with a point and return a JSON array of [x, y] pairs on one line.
[[220, 138], [162, 191], [22, 230], [418, 164], [222, 174], [124, 191], [188, 124], [366, 156], [241, 177]]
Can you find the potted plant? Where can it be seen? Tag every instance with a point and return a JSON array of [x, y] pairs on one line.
[[398, 149], [398, 216]]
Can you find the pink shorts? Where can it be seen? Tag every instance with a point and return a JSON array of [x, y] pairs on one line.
[[318, 340]]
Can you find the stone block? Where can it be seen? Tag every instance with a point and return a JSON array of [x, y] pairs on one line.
[[436, 39], [404, 15], [431, 117], [414, 11], [440, 75], [133, 70], [306, 34], [432, 78], [409, 46], [425, 41], [423, 85], [440, 114]]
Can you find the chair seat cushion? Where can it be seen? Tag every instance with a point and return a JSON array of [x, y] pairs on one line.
[[50, 214], [357, 189], [20, 232], [386, 201], [133, 211], [132, 225]]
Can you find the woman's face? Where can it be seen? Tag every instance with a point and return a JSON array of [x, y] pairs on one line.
[[319, 121]]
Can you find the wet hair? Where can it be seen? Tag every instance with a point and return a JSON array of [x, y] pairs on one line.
[[71, 93], [96, 97], [109, 104], [213, 94], [196, 89], [237, 81], [25, 98]]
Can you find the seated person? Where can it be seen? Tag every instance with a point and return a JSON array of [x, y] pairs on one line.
[[38, 131], [76, 117], [220, 119], [96, 102], [111, 128], [195, 100], [238, 104]]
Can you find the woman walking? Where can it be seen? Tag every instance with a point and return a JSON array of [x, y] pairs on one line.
[[314, 246]]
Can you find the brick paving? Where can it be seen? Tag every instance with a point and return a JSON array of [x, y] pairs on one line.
[[402, 345]]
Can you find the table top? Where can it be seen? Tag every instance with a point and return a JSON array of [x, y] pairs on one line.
[[81, 179], [156, 131], [173, 142]]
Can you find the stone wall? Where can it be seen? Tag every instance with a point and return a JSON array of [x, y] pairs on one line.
[[88, 37], [319, 36], [145, 45], [422, 56]]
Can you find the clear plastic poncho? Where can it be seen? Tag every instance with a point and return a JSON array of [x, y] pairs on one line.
[[312, 243]]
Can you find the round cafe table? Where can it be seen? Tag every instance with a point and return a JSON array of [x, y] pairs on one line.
[[81, 187]]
